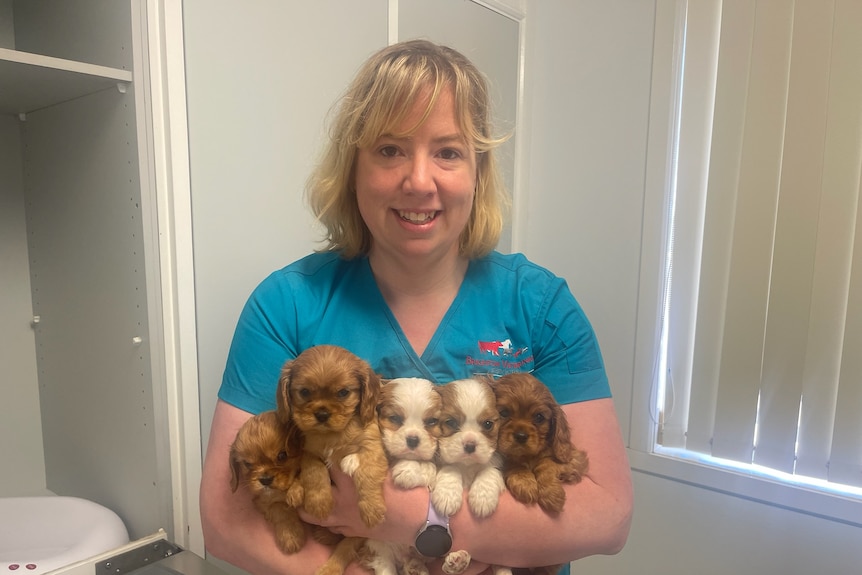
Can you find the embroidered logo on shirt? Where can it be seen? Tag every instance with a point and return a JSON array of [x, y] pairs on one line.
[[499, 357]]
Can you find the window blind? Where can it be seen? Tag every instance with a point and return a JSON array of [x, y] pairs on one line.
[[764, 341]]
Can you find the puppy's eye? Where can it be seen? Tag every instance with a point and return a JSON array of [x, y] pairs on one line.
[[431, 422], [342, 393], [451, 424], [539, 418], [304, 393], [282, 456], [488, 425], [396, 419], [505, 413]]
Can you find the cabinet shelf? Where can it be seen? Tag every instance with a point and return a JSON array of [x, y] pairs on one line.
[[30, 82]]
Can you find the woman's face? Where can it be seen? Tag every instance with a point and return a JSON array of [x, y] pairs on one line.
[[415, 193]]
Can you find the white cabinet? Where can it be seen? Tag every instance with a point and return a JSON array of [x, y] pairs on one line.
[[77, 365]]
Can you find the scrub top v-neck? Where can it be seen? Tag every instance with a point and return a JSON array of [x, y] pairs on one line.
[[509, 315]]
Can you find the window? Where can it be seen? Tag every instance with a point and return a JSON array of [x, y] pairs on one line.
[[755, 160]]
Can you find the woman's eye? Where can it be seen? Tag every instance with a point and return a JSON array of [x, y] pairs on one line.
[[450, 154], [388, 151]]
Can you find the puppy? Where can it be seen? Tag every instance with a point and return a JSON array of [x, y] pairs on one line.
[[535, 444], [467, 449], [265, 456], [408, 416], [330, 394]]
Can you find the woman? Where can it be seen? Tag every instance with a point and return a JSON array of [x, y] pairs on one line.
[[411, 199]]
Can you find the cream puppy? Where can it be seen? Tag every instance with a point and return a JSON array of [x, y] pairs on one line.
[[467, 449]]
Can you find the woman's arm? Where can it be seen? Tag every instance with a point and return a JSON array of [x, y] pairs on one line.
[[234, 530], [595, 520]]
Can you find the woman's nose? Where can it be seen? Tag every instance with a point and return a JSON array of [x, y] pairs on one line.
[[419, 178]]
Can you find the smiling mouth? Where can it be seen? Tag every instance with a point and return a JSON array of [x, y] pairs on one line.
[[417, 217]]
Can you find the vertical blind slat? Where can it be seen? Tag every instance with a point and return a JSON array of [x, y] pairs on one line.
[[841, 167], [845, 465], [734, 57], [748, 288], [793, 256]]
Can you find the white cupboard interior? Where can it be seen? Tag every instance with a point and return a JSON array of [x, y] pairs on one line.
[[79, 412]]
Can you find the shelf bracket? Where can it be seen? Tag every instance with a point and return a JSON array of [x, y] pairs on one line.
[[121, 87]]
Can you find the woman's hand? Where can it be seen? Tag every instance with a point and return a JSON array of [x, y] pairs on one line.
[[406, 510]]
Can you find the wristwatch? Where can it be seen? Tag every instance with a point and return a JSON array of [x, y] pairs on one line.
[[434, 539]]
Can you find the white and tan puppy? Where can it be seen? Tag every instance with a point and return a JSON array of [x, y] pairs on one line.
[[468, 449], [409, 416]]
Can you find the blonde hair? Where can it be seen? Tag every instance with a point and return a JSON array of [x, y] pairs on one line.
[[381, 95]]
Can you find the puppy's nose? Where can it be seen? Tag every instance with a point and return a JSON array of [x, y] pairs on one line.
[[520, 436], [470, 447], [266, 480], [322, 416], [412, 442]]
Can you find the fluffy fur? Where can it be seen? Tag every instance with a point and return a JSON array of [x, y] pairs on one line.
[[330, 394], [467, 449], [265, 457], [537, 450], [408, 415], [535, 443], [409, 419]]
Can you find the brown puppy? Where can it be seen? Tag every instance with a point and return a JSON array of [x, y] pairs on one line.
[[331, 394], [534, 440], [265, 457]]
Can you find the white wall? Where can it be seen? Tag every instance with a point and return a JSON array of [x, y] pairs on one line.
[[260, 81]]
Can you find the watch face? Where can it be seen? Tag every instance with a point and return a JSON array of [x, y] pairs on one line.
[[434, 541]]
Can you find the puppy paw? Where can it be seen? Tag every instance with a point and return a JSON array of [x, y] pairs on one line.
[[330, 568], [295, 495], [552, 498], [408, 474], [500, 570], [318, 503], [415, 566], [456, 562], [290, 540], [372, 512], [349, 464], [524, 487], [485, 492], [447, 493]]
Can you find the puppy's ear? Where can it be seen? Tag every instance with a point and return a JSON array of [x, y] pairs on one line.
[[369, 395], [235, 469], [384, 394], [559, 436], [282, 395]]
